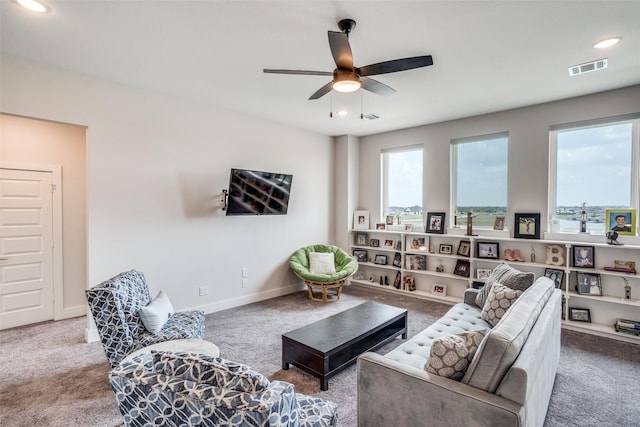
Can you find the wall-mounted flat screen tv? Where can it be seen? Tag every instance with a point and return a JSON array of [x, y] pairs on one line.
[[258, 193]]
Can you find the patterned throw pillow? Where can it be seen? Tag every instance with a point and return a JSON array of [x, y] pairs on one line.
[[507, 276], [450, 355], [498, 302]]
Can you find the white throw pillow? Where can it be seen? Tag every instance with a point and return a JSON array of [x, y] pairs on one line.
[[156, 313], [322, 262]]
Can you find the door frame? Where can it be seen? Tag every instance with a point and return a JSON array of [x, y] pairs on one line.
[[56, 224]]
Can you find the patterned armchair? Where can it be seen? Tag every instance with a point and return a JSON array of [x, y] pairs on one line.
[[115, 305], [177, 389]]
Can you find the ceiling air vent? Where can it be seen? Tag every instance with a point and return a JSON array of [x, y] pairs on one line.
[[587, 67], [371, 117]]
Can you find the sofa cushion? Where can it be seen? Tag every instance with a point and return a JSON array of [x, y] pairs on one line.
[[450, 355], [507, 276], [502, 344], [498, 302]]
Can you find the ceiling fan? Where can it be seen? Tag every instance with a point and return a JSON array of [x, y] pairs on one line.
[[346, 77]]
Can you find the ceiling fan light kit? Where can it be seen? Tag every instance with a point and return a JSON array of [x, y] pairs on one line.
[[346, 77]]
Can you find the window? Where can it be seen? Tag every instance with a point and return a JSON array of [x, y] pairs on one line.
[[593, 163], [479, 178], [402, 185]]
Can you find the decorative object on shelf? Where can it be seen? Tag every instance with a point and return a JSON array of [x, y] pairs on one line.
[[507, 255], [622, 221], [417, 243], [431, 250], [361, 255], [386, 280], [359, 276], [555, 255], [399, 245], [374, 243], [389, 243], [626, 326], [470, 217], [464, 248], [409, 283], [533, 254], [627, 288], [381, 282], [381, 226], [390, 219], [487, 250], [612, 238], [589, 284], [371, 279], [439, 289], [555, 275], [583, 256], [462, 268], [408, 227], [360, 220], [622, 266], [483, 273], [498, 223], [527, 226], [362, 239], [440, 268], [380, 259], [455, 219], [579, 314], [435, 222], [398, 279], [416, 262], [397, 260], [516, 255], [445, 249], [583, 218]]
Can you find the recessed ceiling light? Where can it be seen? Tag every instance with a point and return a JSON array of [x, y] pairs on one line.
[[33, 5], [608, 42]]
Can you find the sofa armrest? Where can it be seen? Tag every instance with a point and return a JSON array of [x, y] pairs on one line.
[[470, 296], [391, 393]]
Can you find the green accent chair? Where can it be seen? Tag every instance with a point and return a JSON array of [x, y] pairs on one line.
[[323, 287]]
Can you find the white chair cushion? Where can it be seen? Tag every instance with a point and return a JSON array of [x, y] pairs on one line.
[[322, 262], [156, 313]]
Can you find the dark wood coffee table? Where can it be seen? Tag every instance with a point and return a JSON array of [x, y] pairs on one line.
[[327, 346]]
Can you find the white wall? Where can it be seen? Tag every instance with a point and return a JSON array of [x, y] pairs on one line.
[[528, 149], [155, 165]]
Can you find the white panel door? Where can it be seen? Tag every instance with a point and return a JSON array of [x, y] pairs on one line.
[[26, 254]]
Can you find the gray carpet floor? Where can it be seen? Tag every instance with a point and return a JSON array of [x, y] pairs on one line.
[[50, 377]]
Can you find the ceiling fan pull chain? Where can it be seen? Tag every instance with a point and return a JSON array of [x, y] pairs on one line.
[[331, 105], [361, 105]]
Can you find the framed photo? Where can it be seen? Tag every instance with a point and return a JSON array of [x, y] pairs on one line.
[[527, 226], [483, 273], [416, 262], [389, 243], [445, 249], [464, 248], [409, 283], [397, 260], [589, 284], [380, 259], [381, 226], [439, 289], [498, 222], [360, 220], [435, 222], [580, 314], [398, 245], [583, 256], [622, 221], [488, 250], [389, 220], [397, 281], [361, 255], [362, 239], [555, 275], [417, 243], [462, 268], [374, 243]]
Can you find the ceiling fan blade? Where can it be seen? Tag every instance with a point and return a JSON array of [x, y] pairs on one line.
[[395, 65], [341, 50], [376, 86], [301, 72], [322, 91]]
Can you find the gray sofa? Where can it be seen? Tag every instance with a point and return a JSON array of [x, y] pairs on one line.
[[507, 383]]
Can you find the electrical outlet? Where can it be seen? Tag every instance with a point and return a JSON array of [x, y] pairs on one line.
[[203, 290], [245, 272], [244, 282]]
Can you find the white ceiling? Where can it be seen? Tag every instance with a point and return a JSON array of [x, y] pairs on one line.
[[488, 56]]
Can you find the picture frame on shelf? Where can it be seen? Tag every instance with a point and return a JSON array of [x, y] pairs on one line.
[[526, 226], [381, 226], [361, 239], [361, 255], [483, 273], [579, 314], [417, 243], [489, 250], [397, 282], [622, 221], [416, 262], [464, 248], [554, 274], [445, 249], [374, 243], [409, 283], [380, 259], [498, 222], [389, 243], [397, 260], [589, 284], [583, 256], [389, 219], [399, 245], [435, 222], [439, 289], [360, 220], [462, 268]]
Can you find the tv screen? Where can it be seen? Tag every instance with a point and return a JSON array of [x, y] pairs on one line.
[[258, 193]]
